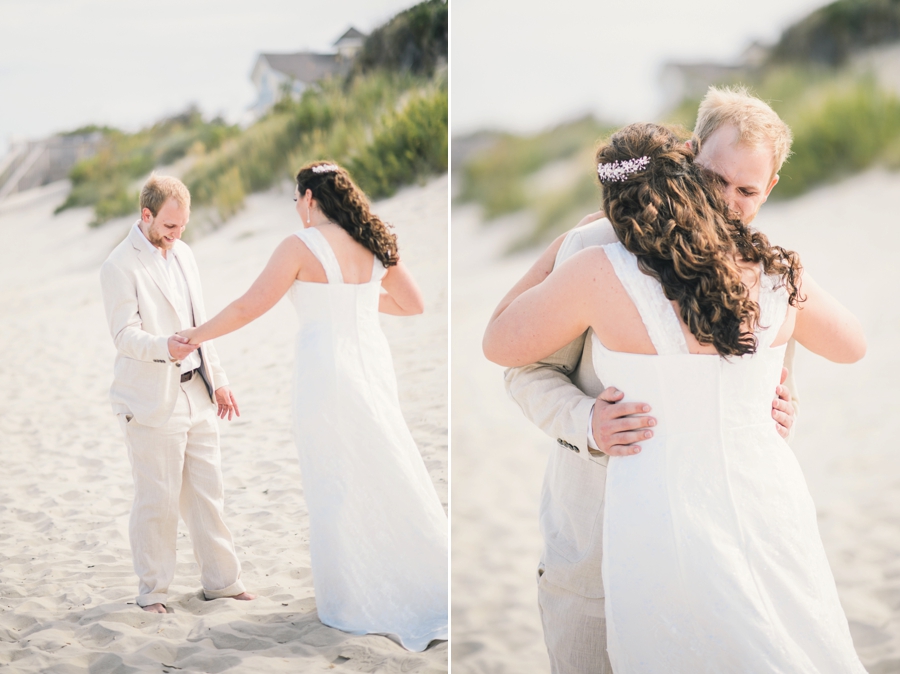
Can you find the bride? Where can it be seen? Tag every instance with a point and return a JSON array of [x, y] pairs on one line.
[[378, 532], [712, 560]]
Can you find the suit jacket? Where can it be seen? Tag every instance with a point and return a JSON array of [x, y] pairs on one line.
[[557, 394], [142, 316]]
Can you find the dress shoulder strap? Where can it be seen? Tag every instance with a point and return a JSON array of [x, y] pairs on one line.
[[378, 270], [319, 246], [656, 311], [773, 306]]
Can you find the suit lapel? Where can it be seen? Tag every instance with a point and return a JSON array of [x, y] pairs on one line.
[[149, 259]]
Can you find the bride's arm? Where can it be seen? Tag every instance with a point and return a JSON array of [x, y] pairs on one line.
[[267, 289], [539, 271], [530, 325], [826, 327], [402, 296]]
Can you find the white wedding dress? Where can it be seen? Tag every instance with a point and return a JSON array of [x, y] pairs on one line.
[[378, 532], [712, 560]]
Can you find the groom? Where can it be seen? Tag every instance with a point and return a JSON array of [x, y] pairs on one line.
[[745, 143], [166, 394]]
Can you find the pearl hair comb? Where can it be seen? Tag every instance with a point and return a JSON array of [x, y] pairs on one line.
[[620, 171], [326, 168]]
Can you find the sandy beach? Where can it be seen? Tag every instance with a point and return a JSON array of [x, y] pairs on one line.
[[846, 437], [67, 586]]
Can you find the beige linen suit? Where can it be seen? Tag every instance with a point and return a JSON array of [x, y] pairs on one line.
[[170, 427], [558, 395]]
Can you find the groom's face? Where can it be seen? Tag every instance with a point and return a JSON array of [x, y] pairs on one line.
[[747, 173], [167, 226]]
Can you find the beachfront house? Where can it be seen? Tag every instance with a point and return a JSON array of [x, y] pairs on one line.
[[296, 71]]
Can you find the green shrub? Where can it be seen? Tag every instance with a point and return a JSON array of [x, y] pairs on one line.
[[409, 144], [387, 123], [229, 195], [102, 180], [496, 177], [116, 203], [362, 124], [415, 41], [839, 129], [831, 34]]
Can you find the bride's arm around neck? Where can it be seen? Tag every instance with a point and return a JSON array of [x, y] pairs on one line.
[[534, 320], [826, 327]]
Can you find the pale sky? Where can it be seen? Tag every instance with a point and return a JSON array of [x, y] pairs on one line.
[[525, 66], [67, 63]]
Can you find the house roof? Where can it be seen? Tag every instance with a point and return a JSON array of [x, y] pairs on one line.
[[352, 33], [306, 66]]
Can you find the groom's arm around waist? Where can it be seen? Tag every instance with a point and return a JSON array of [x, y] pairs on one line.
[[124, 319], [544, 390], [547, 397]]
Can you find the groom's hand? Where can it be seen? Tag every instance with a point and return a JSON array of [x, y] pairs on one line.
[[179, 349], [782, 408], [227, 403], [617, 427]]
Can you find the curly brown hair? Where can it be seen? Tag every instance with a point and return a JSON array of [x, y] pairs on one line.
[[344, 203], [672, 217]]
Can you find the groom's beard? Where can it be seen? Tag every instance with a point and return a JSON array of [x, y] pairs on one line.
[[158, 239]]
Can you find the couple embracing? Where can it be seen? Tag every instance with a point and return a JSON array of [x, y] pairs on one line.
[[679, 532], [378, 532]]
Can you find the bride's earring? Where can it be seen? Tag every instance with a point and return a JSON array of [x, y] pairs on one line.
[[308, 215]]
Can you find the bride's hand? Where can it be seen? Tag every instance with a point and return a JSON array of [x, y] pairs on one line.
[[188, 333]]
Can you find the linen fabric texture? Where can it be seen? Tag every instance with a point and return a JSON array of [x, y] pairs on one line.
[[140, 311], [169, 426], [177, 468]]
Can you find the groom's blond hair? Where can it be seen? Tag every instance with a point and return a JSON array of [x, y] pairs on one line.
[[758, 125], [159, 189]]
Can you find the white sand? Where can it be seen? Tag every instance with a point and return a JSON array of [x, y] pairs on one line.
[[849, 238], [66, 583]]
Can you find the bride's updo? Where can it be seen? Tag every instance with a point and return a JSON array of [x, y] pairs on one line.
[[342, 202], [669, 212]]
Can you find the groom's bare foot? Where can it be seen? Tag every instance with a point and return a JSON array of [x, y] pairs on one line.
[[243, 596], [154, 608]]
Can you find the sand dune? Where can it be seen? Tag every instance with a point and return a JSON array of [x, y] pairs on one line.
[[846, 439], [66, 583]]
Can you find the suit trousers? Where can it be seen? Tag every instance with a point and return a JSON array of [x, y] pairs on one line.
[[177, 467], [574, 630]]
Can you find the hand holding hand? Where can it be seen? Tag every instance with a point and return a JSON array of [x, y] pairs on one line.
[[188, 333], [179, 348], [227, 403], [782, 408]]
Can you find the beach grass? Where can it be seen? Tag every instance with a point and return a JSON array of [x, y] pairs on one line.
[[842, 121], [386, 121], [497, 176], [388, 129], [104, 181]]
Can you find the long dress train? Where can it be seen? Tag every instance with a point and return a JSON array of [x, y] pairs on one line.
[[378, 532]]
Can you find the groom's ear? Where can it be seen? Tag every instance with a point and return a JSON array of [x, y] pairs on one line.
[[146, 215]]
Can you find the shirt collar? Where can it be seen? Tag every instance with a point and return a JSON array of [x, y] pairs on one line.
[[146, 242]]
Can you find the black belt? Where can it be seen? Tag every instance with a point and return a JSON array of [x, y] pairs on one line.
[[186, 376]]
